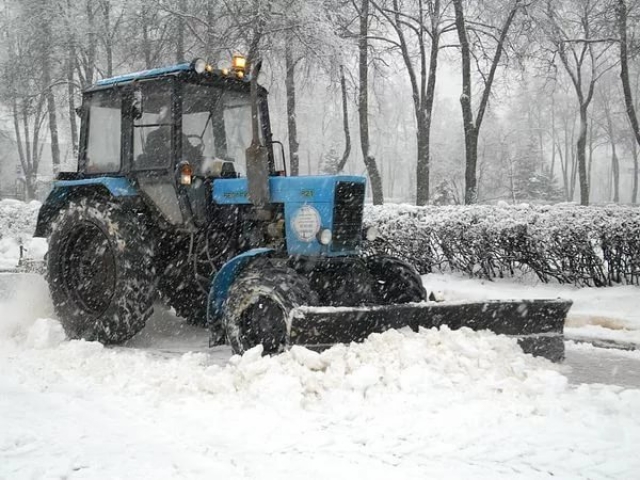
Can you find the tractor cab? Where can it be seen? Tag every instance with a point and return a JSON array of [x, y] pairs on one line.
[[170, 126], [156, 120]]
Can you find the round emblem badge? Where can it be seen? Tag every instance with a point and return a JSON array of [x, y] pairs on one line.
[[306, 223]]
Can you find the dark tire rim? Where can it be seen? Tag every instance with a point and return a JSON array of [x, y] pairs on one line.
[[263, 322], [88, 267]]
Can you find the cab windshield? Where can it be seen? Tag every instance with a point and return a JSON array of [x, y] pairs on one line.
[[217, 122]]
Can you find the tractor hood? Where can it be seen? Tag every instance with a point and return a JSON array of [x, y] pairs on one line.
[[312, 204]]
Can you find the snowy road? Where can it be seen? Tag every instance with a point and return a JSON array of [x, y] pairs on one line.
[[167, 336]]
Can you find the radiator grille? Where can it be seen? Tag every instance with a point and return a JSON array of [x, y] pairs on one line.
[[347, 215]]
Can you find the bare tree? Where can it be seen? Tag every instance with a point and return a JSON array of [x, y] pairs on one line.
[[578, 33], [622, 12], [472, 125], [363, 104], [25, 95], [424, 21]]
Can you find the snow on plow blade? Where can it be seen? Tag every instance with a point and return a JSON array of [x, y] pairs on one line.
[[538, 324]]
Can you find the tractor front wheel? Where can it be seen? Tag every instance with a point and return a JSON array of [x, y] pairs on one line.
[[258, 306], [395, 281], [100, 271]]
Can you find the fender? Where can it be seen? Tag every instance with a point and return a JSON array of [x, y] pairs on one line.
[[64, 190], [223, 280], [117, 186]]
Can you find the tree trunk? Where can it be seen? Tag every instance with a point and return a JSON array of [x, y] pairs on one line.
[[16, 126], [211, 41], [423, 169], [180, 34], [615, 169], [553, 137], [581, 153], [146, 41], [626, 88], [73, 122], [108, 39], [470, 133], [471, 126], [624, 70], [615, 162], [290, 86], [69, 67], [53, 130], [422, 164], [592, 147], [90, 64], [345, 123], [363, 106], [46, 39], [636, 168]]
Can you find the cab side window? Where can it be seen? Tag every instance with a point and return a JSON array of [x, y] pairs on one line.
[[153, 129], [104, 134]]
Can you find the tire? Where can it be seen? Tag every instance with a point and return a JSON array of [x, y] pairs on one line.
[[100, 271], [395, 281], [258, 306], [182, 292]]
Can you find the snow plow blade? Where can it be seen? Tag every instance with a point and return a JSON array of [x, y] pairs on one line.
[[538, 324]]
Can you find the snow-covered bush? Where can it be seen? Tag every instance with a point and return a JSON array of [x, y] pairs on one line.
[[586, 246], [18, 219]]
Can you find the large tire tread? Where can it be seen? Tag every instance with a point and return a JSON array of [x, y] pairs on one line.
[[264, 279], [132, 247], [395, 281]]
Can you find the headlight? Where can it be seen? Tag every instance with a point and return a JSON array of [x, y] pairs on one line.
[[325, 236], [239, 62], [199, 65], [372, 234], [185, 172]]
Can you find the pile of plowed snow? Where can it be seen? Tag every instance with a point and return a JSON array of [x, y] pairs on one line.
[[433, 404], [394, 362]]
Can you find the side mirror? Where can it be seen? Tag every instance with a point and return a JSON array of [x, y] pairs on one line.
[[136, 105]]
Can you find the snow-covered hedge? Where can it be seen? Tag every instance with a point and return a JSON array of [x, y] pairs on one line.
[[586, 246], [18, 219]]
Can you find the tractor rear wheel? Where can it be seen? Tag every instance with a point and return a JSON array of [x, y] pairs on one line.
[[100, 271], [395, 281], [258, 306]]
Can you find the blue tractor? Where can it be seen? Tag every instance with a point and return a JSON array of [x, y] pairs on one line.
[[159, 208]]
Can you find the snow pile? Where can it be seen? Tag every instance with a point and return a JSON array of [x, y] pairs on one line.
[[45, 333], [434, 404], [23, 299], [9, 253], [392, 362]]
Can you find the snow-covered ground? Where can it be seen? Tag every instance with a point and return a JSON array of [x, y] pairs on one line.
[[434, 404], [438, 404], [402, 405]]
